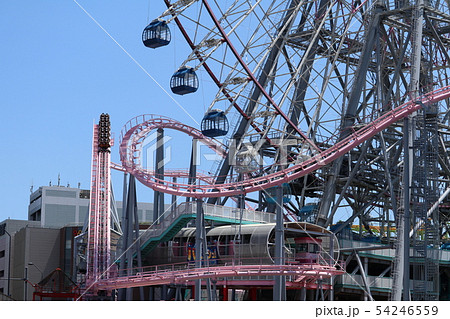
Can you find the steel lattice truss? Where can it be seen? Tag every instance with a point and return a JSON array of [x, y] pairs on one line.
[[314, 91], [296, 77]]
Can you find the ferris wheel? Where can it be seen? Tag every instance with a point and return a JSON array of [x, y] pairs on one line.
[[307, 93]]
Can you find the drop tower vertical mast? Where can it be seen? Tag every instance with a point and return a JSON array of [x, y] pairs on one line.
[[99, 239]]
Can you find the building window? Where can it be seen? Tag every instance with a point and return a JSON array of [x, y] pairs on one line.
[[2, 253], [2, 273], [36, 216], [84, 193], [61, 193]]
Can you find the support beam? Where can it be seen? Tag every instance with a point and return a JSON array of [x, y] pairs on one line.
[[350, 114], [192, 179], [409, 129], [353, 173], [122, 292], [130, 211], [408, 167], [430, 211], [279, 289], [363, 272], [198, 246], [136, 240], [158, 202]]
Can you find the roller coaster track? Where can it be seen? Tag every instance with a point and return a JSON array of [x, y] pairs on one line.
[[302, 274], [133, 135]]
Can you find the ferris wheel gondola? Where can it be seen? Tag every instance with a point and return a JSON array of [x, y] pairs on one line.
[[184, 81], [156, 34], [214, 124]]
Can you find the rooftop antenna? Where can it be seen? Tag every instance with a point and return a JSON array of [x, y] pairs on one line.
[[59, 179], [31, 187]]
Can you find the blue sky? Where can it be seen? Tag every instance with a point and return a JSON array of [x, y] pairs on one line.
[[60, 71]]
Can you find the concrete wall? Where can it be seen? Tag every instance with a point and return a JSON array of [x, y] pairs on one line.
[[39, 246]]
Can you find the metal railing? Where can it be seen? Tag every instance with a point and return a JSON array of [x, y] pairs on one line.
[[210, 211], [186, 271]]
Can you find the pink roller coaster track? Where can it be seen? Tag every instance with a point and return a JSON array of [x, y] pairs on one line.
[[134, 134], [302, 275]]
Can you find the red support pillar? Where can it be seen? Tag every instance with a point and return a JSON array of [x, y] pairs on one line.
[[253, 294], [225, 293]]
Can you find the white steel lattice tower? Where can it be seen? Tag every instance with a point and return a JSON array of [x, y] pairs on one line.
[[99, 239]]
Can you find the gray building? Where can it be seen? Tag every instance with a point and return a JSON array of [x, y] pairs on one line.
[[57, 206], [33, 253], [36, 254], [8, 229]]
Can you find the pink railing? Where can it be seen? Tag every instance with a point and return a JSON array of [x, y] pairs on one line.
[[183, 273]]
